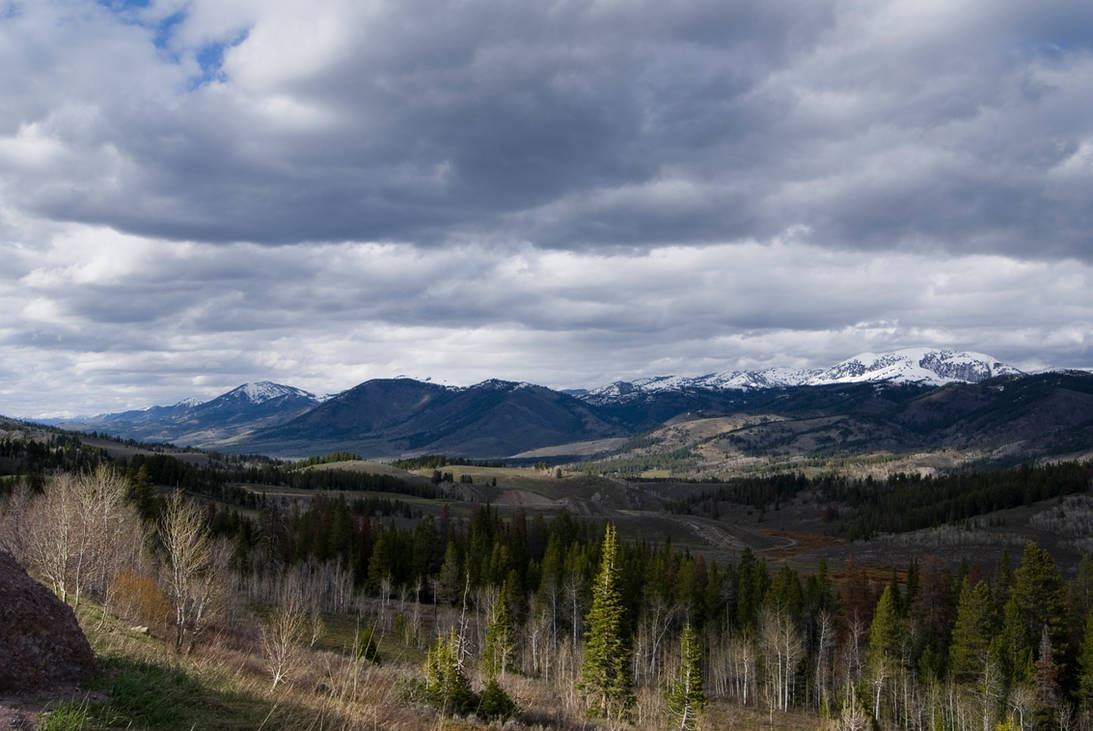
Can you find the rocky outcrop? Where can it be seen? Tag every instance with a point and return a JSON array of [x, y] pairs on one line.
[[41, 645]]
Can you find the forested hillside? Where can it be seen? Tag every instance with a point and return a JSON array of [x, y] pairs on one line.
[[532, 604]]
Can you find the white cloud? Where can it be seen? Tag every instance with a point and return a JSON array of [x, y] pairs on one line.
[[135, 322], [564, 193]]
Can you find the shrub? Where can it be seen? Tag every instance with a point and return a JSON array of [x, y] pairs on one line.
[[495, 703], [141, 598], [446, 686], [367, 650]]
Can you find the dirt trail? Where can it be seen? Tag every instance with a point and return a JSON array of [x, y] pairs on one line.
[[714, 535]]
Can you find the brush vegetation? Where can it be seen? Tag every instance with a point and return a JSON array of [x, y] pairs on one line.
[[229, 605]]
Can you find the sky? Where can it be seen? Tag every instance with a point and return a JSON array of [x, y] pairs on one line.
[[199, 193]]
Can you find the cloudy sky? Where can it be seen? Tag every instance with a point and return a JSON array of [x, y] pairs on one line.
[[199, 193]]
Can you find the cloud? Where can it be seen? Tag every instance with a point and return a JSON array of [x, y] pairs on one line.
[[125, 322], [944, 127], [196, 193]]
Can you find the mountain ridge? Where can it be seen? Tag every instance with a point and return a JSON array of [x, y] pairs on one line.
[[198, 423], [495, 418], [920, 366]]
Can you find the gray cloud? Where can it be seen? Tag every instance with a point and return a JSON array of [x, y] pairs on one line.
[[355, 311], [566, 193], [565, 125]]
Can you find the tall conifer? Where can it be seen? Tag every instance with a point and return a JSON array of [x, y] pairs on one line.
[[686, 697], [605, 673]]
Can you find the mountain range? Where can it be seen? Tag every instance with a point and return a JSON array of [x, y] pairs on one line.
[[950, 396], [247, 408], [919, 366]]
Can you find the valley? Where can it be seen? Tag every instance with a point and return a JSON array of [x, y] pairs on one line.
[[800, 514]]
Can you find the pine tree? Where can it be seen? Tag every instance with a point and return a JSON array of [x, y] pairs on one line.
[[605, 672], [1085, 687], [686, 697], [1011, 648], [971, 634], [449, 582], [366, 648], [1041, 597], [445, 683], [883, 650], [1081, 591], [500, 638], [380, 565], [1047, 684]]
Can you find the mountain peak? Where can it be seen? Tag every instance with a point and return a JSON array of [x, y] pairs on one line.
[[921, 365], [926, 366], [258, 392]]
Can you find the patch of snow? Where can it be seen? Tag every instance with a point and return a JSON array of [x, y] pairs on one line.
[[187, 403], [262, 391], [924, 366]]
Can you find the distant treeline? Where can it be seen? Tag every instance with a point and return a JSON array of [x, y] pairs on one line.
[[33, 459], [436, 461], [222, 482], [324, 459], [903, 502]]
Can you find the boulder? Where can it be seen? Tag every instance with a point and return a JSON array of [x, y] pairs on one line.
[[41, 644]]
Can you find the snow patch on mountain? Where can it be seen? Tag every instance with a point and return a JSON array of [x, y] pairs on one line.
[[916, 365], [921, 366], [262, 391]]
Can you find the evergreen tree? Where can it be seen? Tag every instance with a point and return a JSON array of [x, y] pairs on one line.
[[1047, 684], [141, 490], [686, 696], [753, 580], [1042, 600], [367, 650], [883, 649], [971, 634], [1011, 648], [605, 672], [500, 638], [449, 582], [381, 564], [445, 683], [425, 549], [1081, 591], [1085, 685]]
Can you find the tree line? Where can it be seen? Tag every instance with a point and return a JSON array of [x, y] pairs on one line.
[[901, 502]]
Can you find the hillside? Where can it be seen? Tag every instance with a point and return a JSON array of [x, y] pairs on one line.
[[250, 406], [386, 417], [906, 427], [903, 402]]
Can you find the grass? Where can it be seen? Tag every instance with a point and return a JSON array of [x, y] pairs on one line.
[[143, 684], [68, 716], [340, 633]]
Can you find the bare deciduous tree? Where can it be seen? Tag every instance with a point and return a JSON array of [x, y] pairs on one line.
[[193, 563], [282, 630], [77, 534], [54, 542]]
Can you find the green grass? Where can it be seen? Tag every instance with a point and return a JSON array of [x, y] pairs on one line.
[[339, 634], [147, 695], [69, 716], [143, 684]]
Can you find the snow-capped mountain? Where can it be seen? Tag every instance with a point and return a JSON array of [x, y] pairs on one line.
[[916, 365], [262, 391], [193, 422], [921, 366]]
